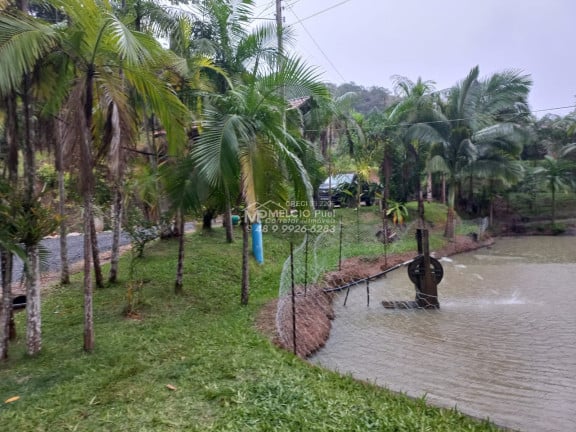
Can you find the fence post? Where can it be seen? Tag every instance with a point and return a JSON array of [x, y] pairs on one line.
[[358, 224], [306, 264], [340, 248], [293, 296]]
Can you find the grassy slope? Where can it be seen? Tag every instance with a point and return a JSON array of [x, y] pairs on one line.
[[227, 377]]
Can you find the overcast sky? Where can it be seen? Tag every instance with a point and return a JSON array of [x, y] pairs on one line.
[[369, 41]]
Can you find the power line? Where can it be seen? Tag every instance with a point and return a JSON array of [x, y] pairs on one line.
[[293, 3], [299, 21], [451, 120], [554, 109], [322, 11], [264, 11]]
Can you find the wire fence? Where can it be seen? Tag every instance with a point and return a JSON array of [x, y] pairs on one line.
[[303, 305], [312, 270]]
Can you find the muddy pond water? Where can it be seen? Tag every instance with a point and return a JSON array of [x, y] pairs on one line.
[[502, 346]]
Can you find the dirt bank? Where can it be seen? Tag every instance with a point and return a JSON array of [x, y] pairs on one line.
[[314, 310]]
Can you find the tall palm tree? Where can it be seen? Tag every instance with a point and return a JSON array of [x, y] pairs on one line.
[[497, 165], [380, 132], [187, 192], [239, 52], [479, 124], [11, 136], [558, 175], [416, 119], [244, 139], [8, 246]]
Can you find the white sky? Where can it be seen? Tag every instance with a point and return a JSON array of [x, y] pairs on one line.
[[368, 41]]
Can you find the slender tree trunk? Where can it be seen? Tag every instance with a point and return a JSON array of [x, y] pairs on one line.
[[429, 187], [6, 311], [87, 190], [491, 219], [553, 206], [116, 165], [99, 279], [29, 148], [6, 258], [443, 188], [64, 265], [88, 290], [178, 222], [178, 286], [324, 143], [228, 221], [422, 222], [420, 195], [33, 302], [470, 200], [33, 318], [12, 135], [116, 230], [386, 165], [449, 230], [245, 291], [22, 5]]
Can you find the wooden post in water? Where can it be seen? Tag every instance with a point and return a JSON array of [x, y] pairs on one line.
[[427, 291]]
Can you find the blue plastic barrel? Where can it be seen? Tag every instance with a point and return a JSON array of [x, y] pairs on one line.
[[257, 247]]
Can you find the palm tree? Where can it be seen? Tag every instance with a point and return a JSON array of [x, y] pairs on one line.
[[558, 175], [8, 246], [244, 140], [187, 191], [338, 138], [497, 165], [416, 119], [238, 54], [553, 133], [479, 133], [11, 134], [380, 131]]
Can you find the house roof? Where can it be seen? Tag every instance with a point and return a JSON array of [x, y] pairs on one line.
[[298, 103]]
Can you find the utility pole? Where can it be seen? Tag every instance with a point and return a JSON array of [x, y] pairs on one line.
[[281, 60], [279, 32]]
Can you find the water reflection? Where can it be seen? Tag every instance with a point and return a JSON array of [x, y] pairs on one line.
[[503, 344]]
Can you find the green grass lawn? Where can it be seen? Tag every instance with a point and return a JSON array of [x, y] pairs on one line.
[[190, 363]]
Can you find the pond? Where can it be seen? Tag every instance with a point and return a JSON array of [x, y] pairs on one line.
[[502, 345]]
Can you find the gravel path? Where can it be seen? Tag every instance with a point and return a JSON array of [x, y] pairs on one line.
[[51, 246]]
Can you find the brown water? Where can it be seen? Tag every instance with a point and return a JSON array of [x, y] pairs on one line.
[[502, 346]]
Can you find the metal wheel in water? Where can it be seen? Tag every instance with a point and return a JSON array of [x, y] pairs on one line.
[[416, 269]]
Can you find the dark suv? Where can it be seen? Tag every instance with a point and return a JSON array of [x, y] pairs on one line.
[[343, 190]]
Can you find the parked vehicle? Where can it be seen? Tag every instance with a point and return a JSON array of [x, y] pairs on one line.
[[343, 190]]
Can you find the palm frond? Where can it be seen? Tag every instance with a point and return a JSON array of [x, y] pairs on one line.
[[164, 102], [185, 187], [424, 133], [133, 48], [23, 42], [216, 151]]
